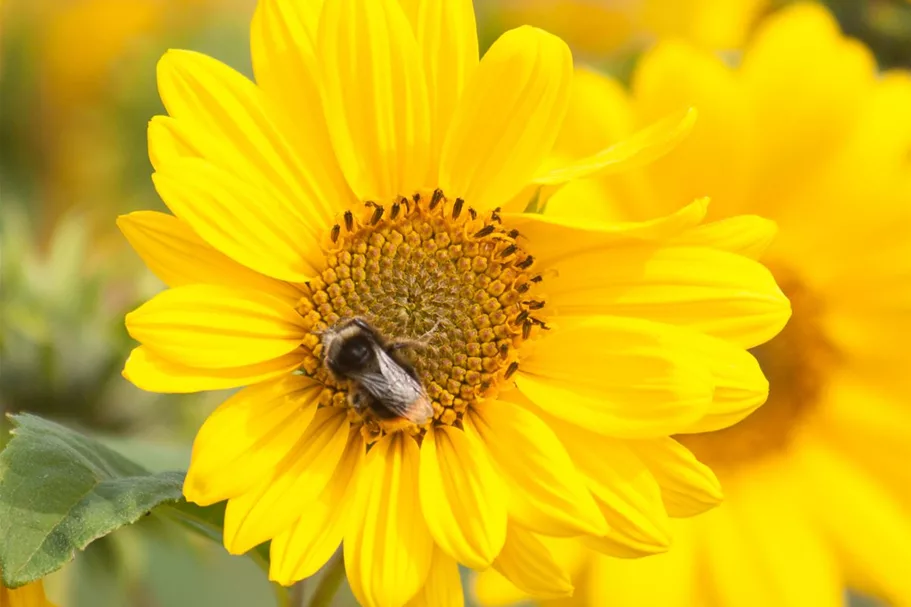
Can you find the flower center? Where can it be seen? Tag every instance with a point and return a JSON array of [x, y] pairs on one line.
[[797, 363], [430, 271]]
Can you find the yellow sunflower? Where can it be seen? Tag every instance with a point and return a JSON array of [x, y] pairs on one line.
[[816, 482], [360, 176], [30, 595]]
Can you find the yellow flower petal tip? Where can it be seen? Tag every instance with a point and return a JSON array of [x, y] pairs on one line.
[[748, 235], [365, 173], [638, 150]]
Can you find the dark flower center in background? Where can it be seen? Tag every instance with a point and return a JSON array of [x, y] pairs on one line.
[[797, 363]]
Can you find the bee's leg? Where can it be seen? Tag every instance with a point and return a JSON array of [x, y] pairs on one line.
[[401, 344], [357, 401], [396, 424]]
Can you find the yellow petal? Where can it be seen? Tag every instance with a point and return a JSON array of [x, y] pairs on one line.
[[272, 507], [462, 497], [375, 97], [688, 487], [715, 157], [216, 327], [301, 550], [590, 198], [491, 589], [508, 118], [30, 595], [546, 493], [283, 50], [788, 553], [867, 530], [627, 494], [229, 122], [871, 423], [526, 562], [707, 290], [444, 584], [250, 432], [448, 40], [667, 579], [170, 140], [179, 257], [728, 555], [600, 113], [740, 385], [153, 373], [388, 549], [620, 377], [797, 64], [558, 237], [747, 235], [243, 222], [638, 150]]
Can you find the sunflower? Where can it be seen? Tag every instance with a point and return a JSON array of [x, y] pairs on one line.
[[806, 132], [361, 177], [30, 595]]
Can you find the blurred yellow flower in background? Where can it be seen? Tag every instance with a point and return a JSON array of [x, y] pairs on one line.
[[70, 73], [597, 27], [362, 175], [816, 482]]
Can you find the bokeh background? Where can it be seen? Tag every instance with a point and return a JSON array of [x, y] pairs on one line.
[[77, 87]]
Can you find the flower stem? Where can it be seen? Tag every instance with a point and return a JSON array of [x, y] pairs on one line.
[[296, 595], [329, 582]]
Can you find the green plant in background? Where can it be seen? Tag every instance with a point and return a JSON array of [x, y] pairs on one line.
[[61, 344], [62, 341]]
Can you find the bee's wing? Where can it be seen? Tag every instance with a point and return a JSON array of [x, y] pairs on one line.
[[393, 388]]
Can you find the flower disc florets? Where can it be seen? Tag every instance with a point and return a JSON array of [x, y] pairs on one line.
[[427, 269]]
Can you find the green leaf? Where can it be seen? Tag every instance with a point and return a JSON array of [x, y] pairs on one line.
[[59, 491]]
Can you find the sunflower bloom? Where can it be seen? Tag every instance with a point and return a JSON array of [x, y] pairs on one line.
[[816, 484], [30, 595], [361, 176]]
